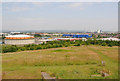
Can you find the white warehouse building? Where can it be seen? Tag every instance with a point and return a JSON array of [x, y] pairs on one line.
[[19, 39], [113, 39]]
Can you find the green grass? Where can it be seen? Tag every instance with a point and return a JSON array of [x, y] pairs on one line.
[[61, 50], [82, 62]]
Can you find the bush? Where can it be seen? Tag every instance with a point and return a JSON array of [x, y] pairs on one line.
[[66, 45], [38, 47], [11, 48], [21, 48], [103, 44], [49, 46], [77, 44], [83, 43], [32, 48], [110, 45]]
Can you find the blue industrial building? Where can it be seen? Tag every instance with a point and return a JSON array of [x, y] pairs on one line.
[[76, 36]]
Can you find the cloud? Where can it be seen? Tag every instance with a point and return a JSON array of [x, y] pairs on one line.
[[74, 5], [18, 9], [77, 5], [38, 3]]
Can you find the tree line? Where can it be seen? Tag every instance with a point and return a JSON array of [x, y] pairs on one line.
[[56, 44]]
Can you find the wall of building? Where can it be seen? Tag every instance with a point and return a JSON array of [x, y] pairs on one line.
[[19, 41]]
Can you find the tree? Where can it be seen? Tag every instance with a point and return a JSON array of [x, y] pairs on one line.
[[55, 44], [13, 48], [37, 35]]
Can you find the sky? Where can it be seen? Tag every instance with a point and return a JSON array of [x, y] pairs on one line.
[[80, 16]]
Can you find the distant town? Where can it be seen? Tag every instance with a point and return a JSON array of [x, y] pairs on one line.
[[16, 38]]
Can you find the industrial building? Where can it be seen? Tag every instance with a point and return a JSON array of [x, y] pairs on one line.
[[76, 36], [112, 39], [19, 39], [71, 39]]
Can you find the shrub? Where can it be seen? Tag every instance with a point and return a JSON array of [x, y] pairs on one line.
[[66, 45], [38, 47], [103, 44], [83, 43], [110, 45], [77, 44]]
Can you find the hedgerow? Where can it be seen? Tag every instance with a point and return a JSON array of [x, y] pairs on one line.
[[56, 44]]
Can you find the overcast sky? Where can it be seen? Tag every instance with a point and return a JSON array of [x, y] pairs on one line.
[[85, 16]]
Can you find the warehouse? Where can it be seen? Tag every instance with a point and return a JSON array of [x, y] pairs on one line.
[[71, 39], [76, 36], [112, 39], [19, 39]]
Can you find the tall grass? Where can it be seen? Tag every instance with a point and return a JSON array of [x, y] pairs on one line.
[[65, 63]]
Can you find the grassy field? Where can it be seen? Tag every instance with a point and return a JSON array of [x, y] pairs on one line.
[[82, 62]]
